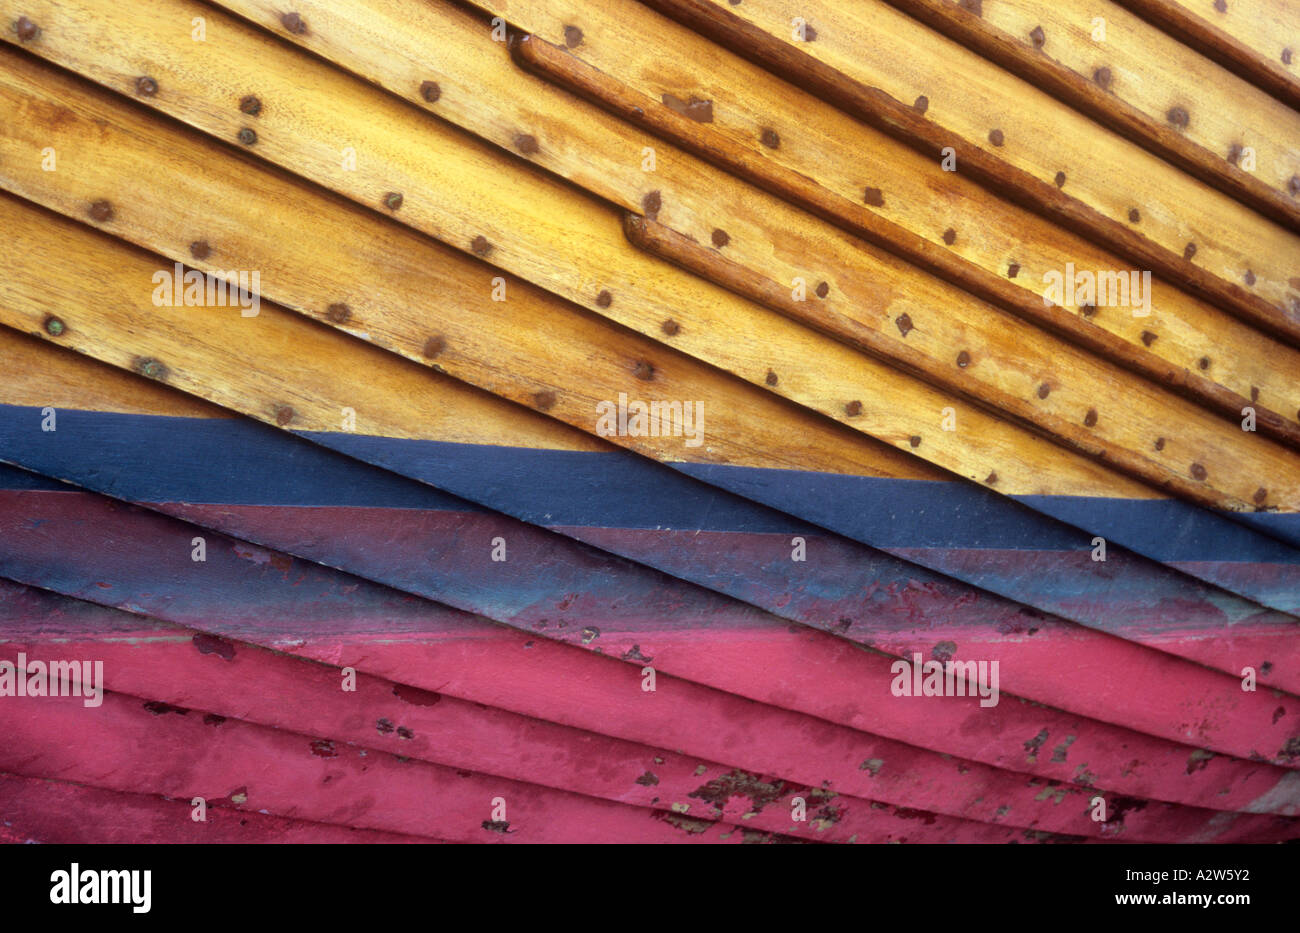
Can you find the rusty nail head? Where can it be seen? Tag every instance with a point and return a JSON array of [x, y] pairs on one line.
[[247, 136], [430, 91], [853, 408], [1178, 116], [1038, 37], [101, 210], [720, 238], [26, 29], [1198, 472], [1044, 390], [480, 245], [651, 203], [150, 367], [250, 105], [770, 138], [604, 299], [963, 359], [545, 399], [950, 236], [146, 86], [54, 326], [200, 249], [644, 370], [294, 23], [526, 144], [1090, 418], [996, 137], [339, 313], [771, 378], [435, 345], [572, 36], [823, 289], [1133, 215], [393, 200], [283, 414], [671, 327]]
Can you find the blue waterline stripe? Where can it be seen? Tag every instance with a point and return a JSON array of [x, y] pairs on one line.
[[238, 461]]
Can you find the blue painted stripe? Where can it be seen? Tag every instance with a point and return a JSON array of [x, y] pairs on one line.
[[163, 458]]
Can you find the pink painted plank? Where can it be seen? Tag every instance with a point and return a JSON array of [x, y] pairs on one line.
[[538, 678], [134, 745], [63, 813], [833, 680], [191, 670]]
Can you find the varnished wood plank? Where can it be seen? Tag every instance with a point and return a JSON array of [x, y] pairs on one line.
[[532, 348], [799, 148], [1259, 40], [541, 230], [1130, 76], [871, 60], [864, 295]]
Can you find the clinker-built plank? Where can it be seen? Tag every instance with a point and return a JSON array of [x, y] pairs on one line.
[[804, 150], [1258, 39], [876, 63], [872, 301], [471, 196], [1143, 84]]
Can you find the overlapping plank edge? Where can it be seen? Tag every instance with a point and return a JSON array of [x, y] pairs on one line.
[[284, 413], [866, 68], [278, 409], [218, 211], [523, 242], [1258, 40], [195, 363], [150, 587], [768, 144], [985, 355], [1130, 76], [52, 812]]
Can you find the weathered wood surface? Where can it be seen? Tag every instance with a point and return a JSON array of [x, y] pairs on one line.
[[29, 289], [132, 747], [886, 610], [1189, 482], [235, 680], [254, 368], [544, 231], [800, 148], [1129, 75], [43, 811], [747, 422], [678, 218], [862, 295], [873, 61], [1259, 40], [145, 589]]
